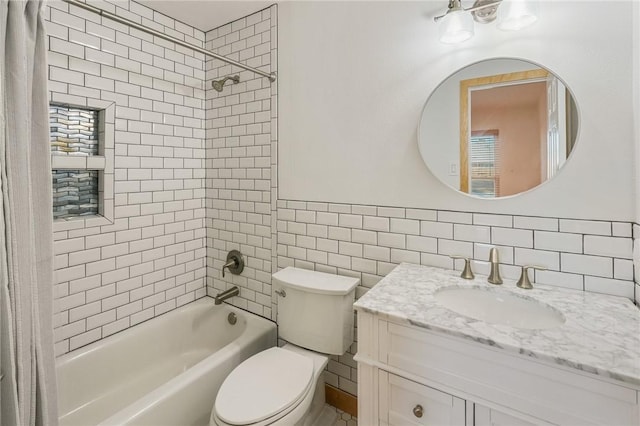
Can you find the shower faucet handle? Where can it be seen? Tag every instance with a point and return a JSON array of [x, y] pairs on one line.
[[234, 263], [467, 273]]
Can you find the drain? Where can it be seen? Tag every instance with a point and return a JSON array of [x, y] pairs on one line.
[[232, 318]]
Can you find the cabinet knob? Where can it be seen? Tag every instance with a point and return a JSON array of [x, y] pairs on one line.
[[417, 411]]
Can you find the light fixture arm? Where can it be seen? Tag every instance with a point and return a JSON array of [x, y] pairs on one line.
[[456, 5]]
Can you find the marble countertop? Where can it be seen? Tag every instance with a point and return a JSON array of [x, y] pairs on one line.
[[600, 335]]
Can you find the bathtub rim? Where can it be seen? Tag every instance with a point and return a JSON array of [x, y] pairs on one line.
[[122, 334]]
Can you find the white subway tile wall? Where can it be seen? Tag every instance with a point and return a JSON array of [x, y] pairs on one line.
[[150, 258], [241, 138], [368, 241], [389, 237]]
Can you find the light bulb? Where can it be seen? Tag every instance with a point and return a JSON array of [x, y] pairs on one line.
[[515, 15], [455, 27]]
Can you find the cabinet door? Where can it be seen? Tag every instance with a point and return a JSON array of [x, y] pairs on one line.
[[403, 402], [484, 416]]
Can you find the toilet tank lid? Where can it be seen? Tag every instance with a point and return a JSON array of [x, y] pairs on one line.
[[316, 282]]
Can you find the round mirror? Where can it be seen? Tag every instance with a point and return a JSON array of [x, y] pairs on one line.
[[498, 128]]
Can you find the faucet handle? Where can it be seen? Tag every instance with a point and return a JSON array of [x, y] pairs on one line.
[[230, 264], [467, 273], [235, 263], [524, 281]]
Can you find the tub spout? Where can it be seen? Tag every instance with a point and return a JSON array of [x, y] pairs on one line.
[[224, 295]]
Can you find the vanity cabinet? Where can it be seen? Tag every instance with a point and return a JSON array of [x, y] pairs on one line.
[[456, 381], [407, 403], [485, 416]]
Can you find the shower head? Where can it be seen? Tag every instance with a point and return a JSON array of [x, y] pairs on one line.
[[218, 85]]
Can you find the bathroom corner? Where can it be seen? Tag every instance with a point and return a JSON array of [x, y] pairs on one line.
[[328, 138]]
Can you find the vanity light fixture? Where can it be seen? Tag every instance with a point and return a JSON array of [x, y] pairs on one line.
[[456, 25], [515, 15]]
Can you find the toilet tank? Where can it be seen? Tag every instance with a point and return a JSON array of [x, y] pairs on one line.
[[316, 309]]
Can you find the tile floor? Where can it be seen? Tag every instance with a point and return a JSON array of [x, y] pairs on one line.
[[345, 419]]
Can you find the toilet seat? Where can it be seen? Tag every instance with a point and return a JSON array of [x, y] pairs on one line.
[[278, 380]]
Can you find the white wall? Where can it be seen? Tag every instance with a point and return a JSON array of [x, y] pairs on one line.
[[151, 257], [354, 77], [636, 113], [174, 139], [636, 100], [240, 139]]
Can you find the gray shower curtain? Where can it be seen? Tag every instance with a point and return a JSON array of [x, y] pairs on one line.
[[28, 388]]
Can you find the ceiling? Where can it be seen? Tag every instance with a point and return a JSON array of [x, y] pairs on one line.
[[206, 14]]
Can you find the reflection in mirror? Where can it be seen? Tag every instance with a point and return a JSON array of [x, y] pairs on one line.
[[517, 125]]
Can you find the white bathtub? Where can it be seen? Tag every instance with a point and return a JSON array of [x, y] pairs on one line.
[[166, 371]]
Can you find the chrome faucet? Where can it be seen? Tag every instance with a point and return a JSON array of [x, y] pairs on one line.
[[494, 276], [224, 295]]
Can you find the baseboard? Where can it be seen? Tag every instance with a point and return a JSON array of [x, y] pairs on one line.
[[341, 400]]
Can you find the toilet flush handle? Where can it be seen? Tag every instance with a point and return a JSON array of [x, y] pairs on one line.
[[281, 293]]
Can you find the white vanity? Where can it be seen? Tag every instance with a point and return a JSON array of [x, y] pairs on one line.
[[572, 358]]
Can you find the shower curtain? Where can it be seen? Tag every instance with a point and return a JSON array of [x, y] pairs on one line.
[[28, 386]]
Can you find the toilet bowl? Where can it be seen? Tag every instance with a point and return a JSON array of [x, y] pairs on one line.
[[285, 386], [278, 386]]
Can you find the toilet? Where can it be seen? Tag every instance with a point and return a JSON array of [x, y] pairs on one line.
[[285, 385]]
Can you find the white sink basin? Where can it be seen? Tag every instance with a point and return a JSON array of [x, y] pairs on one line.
[[499, 307]]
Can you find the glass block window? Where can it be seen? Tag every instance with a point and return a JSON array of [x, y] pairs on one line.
[[74, 131], [75, 193]]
